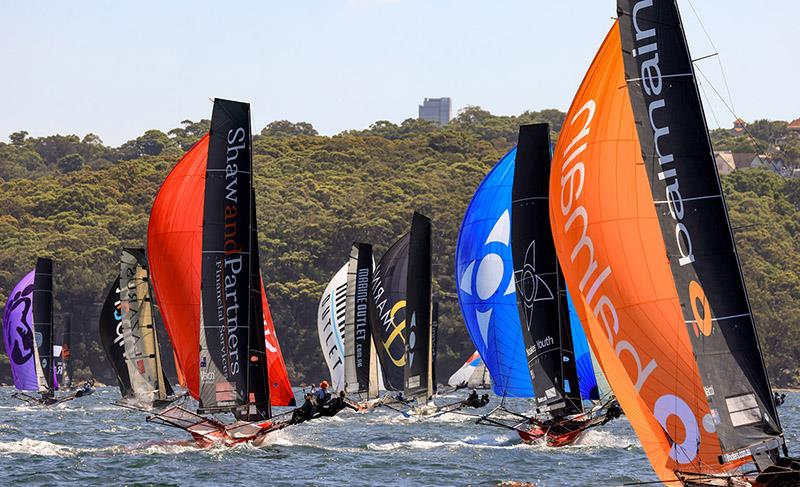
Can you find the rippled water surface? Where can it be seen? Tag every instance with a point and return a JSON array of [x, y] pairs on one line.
[[91, 442]]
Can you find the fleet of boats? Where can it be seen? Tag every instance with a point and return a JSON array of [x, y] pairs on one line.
[[596, 278]]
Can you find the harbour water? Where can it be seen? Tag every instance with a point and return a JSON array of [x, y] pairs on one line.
[[89, 441]]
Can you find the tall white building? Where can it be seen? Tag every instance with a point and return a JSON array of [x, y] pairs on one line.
[[435, 110]]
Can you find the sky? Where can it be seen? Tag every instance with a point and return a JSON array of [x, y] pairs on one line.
[[119, 68]]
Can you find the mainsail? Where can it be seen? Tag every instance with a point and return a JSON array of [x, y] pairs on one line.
[[331, 324], [541, 292], [43, 325], [485, 277], [66, 351], [419, 354], [140, 340], [112, 339], [643, 237], [359, 361]]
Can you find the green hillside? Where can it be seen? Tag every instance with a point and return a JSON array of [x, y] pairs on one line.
[[79, 201]]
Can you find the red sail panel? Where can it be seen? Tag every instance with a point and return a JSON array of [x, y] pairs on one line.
[[610, 245], [280, 388], [174, 240]]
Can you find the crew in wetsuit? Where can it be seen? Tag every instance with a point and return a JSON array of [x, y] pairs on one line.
[[87, 389], [779, 399], [322, 395], [476, 402], [332, 407], [304, 412]]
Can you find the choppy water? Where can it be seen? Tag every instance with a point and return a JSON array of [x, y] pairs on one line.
[[91, 442]]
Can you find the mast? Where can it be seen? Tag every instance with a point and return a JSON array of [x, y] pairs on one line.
[[418, 310], [540, 287], [226, 303], [43, 324]]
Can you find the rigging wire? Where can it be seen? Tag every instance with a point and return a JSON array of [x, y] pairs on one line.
[[719, 58]]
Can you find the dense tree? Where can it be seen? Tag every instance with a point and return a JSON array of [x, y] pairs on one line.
[[318, 194]]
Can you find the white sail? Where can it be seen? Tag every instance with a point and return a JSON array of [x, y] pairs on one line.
[[473, 373], [331, 322]]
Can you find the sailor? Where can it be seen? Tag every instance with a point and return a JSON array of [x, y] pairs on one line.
[[484, 400], [87, 389], [779, 398], [322, 395], [473, 400], [613, 411], [304, 412], [332, 407]]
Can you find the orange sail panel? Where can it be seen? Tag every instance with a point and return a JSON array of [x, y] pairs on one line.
[[174, 240], [280, 393], [610, 245]]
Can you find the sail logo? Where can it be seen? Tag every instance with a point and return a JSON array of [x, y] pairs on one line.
[[391, 321], [531, 285], [23, 341], [412, 339], [487, 280]]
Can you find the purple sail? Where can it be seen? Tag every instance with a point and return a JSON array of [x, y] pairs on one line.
[[18, 334]]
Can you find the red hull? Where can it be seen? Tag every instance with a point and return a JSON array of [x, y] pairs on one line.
[[535, 434]]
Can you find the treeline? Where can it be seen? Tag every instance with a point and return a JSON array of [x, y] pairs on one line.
[[78, 201]]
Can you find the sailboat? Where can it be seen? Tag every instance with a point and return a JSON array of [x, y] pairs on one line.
[[129, 337], [66, 353], [28, 336], [504, 251], [203, 252], [473, 374], [344, 328], [642, 232], [400, 321]]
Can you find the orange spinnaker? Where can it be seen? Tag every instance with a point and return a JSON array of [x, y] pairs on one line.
[[174, 247], [612, 252]]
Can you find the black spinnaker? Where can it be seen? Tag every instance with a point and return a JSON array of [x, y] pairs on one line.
[[358, 356]]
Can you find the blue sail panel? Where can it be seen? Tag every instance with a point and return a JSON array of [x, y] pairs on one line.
[[583, 358], [485, 282]]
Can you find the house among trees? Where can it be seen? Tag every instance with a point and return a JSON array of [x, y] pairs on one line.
[[795, 126], [729, 161], [739, 126]]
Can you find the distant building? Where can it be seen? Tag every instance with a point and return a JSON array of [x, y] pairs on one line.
[[795, 125], [728, 161], [436, 110]]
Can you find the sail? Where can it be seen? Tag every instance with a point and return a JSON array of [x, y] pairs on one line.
[[174, 237], [357, 336], [226, 310], [388, 313], [58, 366], [137, 325], [418, 381], [111, 338], [18, 335], [66, 351], [541, 292], [281, 393], [695, 229], [331, 326], [434, 342], [473, 374], [485, 278], [590, 391], [43, 324], [614, 260]]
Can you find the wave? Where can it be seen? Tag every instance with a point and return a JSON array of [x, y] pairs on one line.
[[39, 448]]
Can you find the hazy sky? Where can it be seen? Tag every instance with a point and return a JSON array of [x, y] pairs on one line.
[[118, 68]]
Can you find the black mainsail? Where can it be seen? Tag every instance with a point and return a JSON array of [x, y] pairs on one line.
[[541, 291], [112, 339], [43, 324], [692, 214], [418, 380], [358, 357], [229, 318]]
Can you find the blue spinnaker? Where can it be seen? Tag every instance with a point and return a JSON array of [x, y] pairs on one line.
[[485, 282], [583, 358]]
